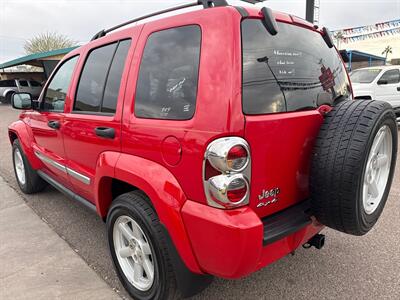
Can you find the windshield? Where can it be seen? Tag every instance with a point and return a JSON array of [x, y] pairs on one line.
[[293, 70], [364, 76]]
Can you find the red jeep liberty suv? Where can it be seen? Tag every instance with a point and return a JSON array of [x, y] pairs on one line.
[[212, 143]]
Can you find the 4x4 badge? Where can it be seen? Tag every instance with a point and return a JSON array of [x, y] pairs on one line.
[[271, 197]]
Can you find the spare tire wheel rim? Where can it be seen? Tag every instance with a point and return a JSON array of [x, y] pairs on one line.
[[377, 169], [134, 254]]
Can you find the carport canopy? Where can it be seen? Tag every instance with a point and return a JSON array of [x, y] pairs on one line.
[[354, 56], [46, 60]]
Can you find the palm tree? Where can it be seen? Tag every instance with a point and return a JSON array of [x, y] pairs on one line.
[[388, 50], [339, 37]]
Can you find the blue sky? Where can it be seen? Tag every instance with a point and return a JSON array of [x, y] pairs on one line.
[[80, 19]]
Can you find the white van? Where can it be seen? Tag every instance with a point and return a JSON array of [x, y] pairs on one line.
[[378, 83]]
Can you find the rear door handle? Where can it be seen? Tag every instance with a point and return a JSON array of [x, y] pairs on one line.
[[398, 89], [105, 132], [54, 124]]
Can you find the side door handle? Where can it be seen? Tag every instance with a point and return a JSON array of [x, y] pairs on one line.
[[398, 89], [105, 132], [54, 124]]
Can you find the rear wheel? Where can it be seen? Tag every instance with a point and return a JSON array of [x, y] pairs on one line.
[[353, 165], [8, 97], [27, 178], [138, 248]]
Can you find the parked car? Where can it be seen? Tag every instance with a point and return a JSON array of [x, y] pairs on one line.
[[208, 160], [378, 83], [12, 86]]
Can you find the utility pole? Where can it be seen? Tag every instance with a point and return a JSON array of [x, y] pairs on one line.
[[312, 11]]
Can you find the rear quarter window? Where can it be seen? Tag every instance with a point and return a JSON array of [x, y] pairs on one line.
[[35, 83], [168, 76], [293, 70], [7, 83], [23, 83]]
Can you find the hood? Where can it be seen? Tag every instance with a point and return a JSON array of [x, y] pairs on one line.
[[361, 89]]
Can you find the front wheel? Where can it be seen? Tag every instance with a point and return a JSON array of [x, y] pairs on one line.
[[138, 248], [27, 178]]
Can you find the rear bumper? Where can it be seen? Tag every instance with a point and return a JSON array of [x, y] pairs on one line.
[[234, 243]]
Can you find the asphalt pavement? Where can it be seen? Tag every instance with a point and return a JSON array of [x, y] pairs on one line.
[[347, 267]]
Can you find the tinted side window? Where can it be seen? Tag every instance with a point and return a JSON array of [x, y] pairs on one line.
[[293, 70], [93, 77], [391, 77], [23, 83], [35, 83], [8, 83], [168, 76], [111, 91], [56, 92]]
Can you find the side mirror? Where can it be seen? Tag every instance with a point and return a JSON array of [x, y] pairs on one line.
[[21, 101], [382, 82]]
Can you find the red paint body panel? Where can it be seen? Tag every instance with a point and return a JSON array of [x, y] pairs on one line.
[[49, 142], [24, 134], [83, 148], [281, 144], [164, 158], [228, 244], [105, 171], [166, 195]]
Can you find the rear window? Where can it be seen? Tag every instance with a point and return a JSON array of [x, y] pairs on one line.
[[7, 83], [293, 70]]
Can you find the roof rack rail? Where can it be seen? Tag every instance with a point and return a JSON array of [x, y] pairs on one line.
[[205, 3]]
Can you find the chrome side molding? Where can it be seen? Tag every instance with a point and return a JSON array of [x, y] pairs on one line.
[[62, 168], [78, 176], [51, 162]]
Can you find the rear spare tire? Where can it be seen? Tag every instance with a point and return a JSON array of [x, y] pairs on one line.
[[353, 165]]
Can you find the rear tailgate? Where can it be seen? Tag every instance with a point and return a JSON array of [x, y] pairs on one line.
[[281, 147], [287, 77]]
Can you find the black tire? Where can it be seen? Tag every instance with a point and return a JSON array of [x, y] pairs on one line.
[[339, 163], [8, 97], [33, 183], [136, 206]]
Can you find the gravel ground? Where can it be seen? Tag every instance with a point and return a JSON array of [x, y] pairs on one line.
[[347, 267]]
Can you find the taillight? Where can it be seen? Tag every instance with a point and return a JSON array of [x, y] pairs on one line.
[[237, 158], [227, 184], [237, 190], [228, 154]]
